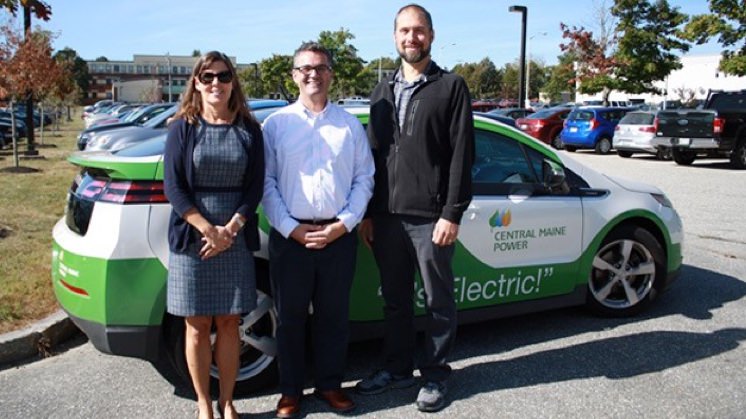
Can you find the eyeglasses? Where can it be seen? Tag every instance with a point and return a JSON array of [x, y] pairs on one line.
[[223, 77], [320, 69]]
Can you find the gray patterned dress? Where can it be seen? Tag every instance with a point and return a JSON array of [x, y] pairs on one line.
[[226, 283]]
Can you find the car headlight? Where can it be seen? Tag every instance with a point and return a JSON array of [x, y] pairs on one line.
[[662, 199]]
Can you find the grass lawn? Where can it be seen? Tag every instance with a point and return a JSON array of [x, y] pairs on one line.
[[31, 201]]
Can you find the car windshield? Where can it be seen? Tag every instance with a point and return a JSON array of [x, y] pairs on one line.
[[132, 116], [152, 123], [581, 115], [637, 118]]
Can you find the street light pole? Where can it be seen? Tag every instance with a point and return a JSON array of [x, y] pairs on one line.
[[168, 61], [528, 72], [523, 10]]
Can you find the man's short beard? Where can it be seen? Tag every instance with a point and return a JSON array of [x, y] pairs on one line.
[[418, 57]]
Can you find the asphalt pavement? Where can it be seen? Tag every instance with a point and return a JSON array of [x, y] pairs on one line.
[[683, 358]]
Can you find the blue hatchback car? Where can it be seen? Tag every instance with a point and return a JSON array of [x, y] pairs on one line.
[[591, 127]]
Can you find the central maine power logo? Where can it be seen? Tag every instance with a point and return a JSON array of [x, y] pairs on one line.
[[500, 218]]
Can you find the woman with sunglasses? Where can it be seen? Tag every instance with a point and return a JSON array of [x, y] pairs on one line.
[[213, 177]]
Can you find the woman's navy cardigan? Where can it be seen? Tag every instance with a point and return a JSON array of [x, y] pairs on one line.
[[178, 179]]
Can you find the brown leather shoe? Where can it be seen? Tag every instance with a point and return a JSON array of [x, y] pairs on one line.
[[288, 407], [337, 400]]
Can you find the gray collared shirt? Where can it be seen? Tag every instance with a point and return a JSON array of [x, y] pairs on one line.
[[403, 91]]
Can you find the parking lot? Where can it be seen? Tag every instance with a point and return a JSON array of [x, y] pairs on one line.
[[683, 358]]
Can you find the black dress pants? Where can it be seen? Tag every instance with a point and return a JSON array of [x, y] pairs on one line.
[[321, 278]]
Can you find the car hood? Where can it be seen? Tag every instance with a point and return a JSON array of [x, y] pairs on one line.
[[600, 180]]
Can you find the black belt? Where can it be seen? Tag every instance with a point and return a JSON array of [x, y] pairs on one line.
[[317, 222]]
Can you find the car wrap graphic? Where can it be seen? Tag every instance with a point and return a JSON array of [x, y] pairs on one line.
[[511, 248]]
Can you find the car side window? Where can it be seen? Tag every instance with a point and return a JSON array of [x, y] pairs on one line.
[[501, 162]]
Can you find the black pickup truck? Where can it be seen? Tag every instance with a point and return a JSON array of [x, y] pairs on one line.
[[716, 131]]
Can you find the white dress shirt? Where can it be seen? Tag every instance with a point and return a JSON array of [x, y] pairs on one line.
[[317, 167]]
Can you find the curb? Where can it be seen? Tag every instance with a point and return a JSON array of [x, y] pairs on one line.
[[37, 339]]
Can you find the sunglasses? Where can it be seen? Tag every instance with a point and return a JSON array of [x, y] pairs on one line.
[[223, 77]]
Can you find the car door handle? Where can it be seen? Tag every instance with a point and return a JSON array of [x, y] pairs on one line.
[[472, 212]]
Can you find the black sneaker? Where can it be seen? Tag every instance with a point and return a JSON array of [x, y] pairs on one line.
[[432, 397], [381, 381]]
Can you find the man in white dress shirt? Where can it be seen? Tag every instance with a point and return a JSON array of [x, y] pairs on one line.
[[319, 178]]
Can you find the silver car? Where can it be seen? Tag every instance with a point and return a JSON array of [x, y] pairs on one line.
[[635, 134]]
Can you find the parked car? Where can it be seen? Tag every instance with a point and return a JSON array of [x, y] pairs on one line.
[[7, 121], [139, 117], [126, 136], [545, 125], [717, 130], [114, 113], [543, 231], [483, 105], [120, 138], [591, 127], [635, 133], [501, 118], [514, 113]]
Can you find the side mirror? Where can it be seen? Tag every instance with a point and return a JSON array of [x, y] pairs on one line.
[[554, 177]]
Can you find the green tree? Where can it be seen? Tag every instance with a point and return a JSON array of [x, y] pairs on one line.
[[632, 48], [196, 53], [538, 74], [509, 87], [252, 82], [350, 77], [483, 78], [78, 67], [561, 79], [648, 36], [727, 22], [102, 59], [275, 75]]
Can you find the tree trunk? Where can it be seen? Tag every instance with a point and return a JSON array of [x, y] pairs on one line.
[[41, 125], [605, 96], [30, 149], [14, 134]]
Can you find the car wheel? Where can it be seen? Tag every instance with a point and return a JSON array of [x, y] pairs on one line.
[[557, 142], [603, 145], [625, 154], [738, 157], [257, 332], [663, 153], [683, 157], [626, 272], [570, 148]]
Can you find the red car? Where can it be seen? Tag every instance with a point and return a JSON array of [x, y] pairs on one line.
[[545, 125]]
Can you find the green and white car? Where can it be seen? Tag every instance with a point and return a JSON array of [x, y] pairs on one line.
[[542, 232]]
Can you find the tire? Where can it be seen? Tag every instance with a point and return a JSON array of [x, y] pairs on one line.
[[738, 156], [570, 148], [625, 154], [257, 331], [627, 272], [664, 153], [683, 157], [603, 145], [557, 141]]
